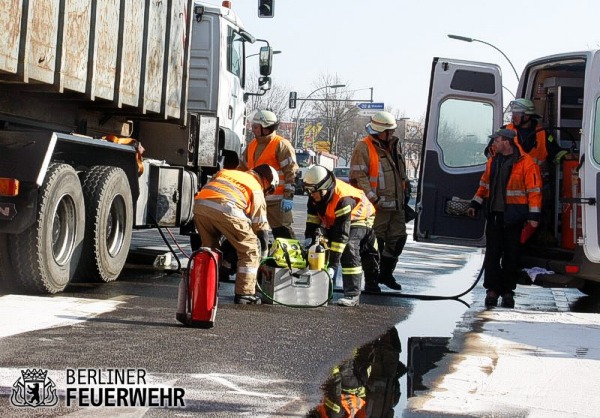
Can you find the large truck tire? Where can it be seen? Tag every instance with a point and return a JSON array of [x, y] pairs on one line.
[[5, 267], [108, 225], [45, 256]]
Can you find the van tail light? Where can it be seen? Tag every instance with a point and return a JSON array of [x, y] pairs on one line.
[[9, 187], [571, 269]]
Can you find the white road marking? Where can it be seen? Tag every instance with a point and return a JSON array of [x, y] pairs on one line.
[[32, 313], [226, 380]]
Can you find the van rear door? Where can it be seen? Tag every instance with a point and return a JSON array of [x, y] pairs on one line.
[[465, 107], [590, 167]]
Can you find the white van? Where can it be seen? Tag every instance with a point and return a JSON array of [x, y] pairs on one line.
[[465, 106]]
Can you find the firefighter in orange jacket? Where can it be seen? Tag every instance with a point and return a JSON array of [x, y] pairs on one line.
[[533, 139], [345, 215], [233, 205], [378, 168], [512, 186], [269, 148]]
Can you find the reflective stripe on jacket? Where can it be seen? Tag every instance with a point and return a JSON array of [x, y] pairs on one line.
[[523, 194], [236, 193], [361, 213], [539, 153]]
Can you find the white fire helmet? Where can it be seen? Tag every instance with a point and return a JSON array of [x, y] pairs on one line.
[[266, 119], [380, 122], [318, 178]]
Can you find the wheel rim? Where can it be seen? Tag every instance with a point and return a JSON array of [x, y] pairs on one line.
[[115, 227], [64, 230]]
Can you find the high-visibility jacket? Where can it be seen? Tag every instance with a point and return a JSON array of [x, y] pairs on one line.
[[347, 207], [380, 173], [279, 153], [523, 193], [539, 152], [236, 193], [361, 213]]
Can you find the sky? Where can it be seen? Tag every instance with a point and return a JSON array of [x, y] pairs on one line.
[[389, 45]]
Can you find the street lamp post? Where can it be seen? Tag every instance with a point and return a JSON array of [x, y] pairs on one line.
[[333, 86], [467, 39]]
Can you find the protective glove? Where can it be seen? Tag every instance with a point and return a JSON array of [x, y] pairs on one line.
[[287, 205], [332, 271]]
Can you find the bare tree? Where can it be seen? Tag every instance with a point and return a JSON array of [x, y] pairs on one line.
[[335, 110]]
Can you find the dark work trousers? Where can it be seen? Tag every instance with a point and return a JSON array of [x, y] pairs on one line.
[[502, 245], [359, 255]]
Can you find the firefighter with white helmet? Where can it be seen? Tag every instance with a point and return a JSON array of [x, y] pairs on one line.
[[377, 167], [531, 137], [344, 215], [232, 204], [535, 140], [268, 147]]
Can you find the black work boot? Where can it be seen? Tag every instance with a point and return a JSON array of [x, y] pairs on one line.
[[491, 299], [508, 300], [386, 273], [246, 300], [371, 286]]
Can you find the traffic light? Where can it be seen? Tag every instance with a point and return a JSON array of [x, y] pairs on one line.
[[266, 8], [293, 96]]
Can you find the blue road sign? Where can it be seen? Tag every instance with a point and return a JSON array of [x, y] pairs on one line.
[[372, 106]]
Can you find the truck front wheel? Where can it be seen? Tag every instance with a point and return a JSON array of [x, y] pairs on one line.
[[45, 256], [109, 220]]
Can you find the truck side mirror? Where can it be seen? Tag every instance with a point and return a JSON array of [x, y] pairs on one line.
[[265, 60], [264, 83]]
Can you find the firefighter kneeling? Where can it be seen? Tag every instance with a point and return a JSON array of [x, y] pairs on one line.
[[347, 217], [233, 205]]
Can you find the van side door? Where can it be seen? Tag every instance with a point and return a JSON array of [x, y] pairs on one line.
[[590, 161], [465, 107]]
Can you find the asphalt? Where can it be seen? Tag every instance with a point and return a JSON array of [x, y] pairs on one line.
[[270, 360]]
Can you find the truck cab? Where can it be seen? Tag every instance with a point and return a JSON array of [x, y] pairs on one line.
[[465, 106]]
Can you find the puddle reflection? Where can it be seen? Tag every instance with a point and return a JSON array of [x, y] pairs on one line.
[[368, 384]]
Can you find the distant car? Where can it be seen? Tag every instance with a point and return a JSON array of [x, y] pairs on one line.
[[342, 173], [413, 185]]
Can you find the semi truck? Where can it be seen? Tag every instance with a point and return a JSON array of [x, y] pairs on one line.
[[465, 106], [306, 158], [86, 87]]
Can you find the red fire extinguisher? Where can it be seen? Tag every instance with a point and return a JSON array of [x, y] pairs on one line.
[[571, 212], [197, 298]]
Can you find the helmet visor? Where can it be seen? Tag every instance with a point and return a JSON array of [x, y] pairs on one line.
[[311, 188]]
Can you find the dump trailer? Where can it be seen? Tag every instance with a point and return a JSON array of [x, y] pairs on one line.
[[112, 115]]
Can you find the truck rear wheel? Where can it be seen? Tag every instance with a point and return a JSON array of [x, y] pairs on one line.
[[109, 220], [5, 265], [45, 256]]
